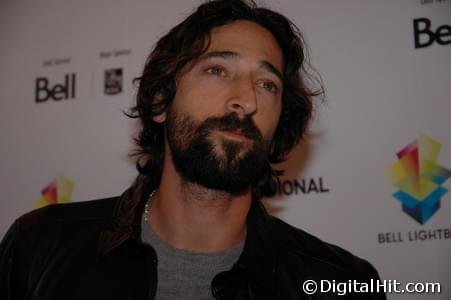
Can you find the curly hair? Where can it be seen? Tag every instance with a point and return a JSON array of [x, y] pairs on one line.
[[188, 41]]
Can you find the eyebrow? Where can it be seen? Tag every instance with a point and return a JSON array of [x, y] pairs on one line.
[[267, 66]]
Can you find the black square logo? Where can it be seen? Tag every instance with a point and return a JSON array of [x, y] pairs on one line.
[[113, 81]]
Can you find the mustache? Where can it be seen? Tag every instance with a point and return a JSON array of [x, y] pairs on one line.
[[231, 122]]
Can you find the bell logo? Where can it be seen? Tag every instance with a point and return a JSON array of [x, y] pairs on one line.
[[57, 92], [425, 36]]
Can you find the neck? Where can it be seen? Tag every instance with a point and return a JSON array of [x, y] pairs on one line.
[[191, 217]]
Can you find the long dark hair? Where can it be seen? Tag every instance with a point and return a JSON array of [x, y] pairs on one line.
[[188, 41]]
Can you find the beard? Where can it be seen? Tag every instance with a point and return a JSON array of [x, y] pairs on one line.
[[203, 157]]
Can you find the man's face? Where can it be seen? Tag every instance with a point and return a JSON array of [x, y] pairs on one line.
[[226, 109]]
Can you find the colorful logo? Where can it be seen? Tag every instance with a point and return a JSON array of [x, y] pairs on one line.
[[58, 191], [419, 178]]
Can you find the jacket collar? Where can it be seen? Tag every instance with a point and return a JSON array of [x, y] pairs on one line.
[[126, 219], [257, 261]]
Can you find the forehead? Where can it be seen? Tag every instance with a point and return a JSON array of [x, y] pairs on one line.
[[251, 40]]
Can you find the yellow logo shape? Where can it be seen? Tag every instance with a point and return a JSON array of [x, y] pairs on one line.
[[58, 191]]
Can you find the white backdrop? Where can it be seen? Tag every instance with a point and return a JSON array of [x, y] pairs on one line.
[[382, 93]]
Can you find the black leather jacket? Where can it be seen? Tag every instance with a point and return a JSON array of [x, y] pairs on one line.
[[92, 250]]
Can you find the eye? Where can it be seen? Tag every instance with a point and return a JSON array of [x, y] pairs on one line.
[[268, 85], [216, 70]]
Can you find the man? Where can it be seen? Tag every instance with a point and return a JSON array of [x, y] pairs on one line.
[[222, 96]]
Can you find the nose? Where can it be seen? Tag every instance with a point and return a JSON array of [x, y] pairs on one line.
[[243, 99]]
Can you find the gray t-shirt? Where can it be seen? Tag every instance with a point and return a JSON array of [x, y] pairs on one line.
[[184, 274]]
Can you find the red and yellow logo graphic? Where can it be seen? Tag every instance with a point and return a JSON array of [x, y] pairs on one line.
[[58, 191]]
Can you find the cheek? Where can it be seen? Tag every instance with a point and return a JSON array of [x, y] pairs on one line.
[[201, 98], [268, 121]]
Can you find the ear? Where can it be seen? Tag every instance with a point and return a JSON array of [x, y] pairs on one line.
[[161, 118]]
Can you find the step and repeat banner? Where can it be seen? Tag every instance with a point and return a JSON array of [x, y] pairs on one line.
[[371, 176]]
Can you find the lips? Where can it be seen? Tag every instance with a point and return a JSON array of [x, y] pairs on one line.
[[236, 131], [233, 133]]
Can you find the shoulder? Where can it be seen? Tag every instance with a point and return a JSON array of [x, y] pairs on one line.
[[43, 232], [94, 210], [317, 257], [43, 240], [58, 217]]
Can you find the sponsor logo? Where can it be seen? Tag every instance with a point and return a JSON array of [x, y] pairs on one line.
[[113, 81], [425, 35], [301, 186], [419, 178], [58, 191], [414, 236], [60, 91]]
